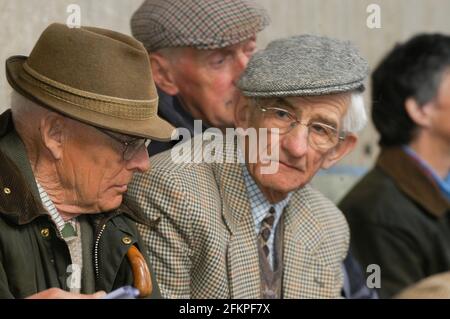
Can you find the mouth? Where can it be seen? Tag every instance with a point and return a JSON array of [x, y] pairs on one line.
[[121, 188], [290, 166], [234, 99], [230, 103]]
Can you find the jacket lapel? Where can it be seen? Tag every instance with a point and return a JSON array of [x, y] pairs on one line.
[[22, 204], [242, 253], [305, 273]]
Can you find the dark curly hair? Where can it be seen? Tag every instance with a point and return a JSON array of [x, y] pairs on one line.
[[412, 69]]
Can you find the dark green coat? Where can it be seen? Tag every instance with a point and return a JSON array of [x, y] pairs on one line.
[[32, 256], [399, 220]]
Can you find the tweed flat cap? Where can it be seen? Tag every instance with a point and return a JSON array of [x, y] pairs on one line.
[[304, 65], [203, 24]]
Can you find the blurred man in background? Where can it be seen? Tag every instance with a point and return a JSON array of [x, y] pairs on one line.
[[399, 212]]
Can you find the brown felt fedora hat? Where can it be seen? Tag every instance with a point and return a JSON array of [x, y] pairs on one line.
[[97, 76]]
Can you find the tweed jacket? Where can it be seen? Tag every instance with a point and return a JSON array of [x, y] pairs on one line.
[[205, 245]]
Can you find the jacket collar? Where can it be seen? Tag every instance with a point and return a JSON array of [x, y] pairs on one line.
[[171, 109], [19, 197], [413, 180]]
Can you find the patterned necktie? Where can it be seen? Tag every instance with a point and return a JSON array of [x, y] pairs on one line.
[[266, 230]]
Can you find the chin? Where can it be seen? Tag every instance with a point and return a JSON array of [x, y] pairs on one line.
[[222, 123], [281, 183], [111, 203], [287, 188]]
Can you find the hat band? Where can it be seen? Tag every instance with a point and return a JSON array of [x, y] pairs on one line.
[[107, 105]]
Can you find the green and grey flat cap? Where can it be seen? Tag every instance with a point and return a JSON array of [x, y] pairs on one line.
[[202, 24], [304, 65]]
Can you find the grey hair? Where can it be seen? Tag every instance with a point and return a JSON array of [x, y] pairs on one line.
[[172, 53], [355, 119], [23, 107], [26, 113]]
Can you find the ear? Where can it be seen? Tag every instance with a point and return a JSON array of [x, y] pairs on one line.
[[162, 71], [338, 152], [421, 115], [52, 130], [242, 112]]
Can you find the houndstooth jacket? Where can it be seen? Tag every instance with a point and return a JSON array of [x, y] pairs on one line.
[[204, 242]]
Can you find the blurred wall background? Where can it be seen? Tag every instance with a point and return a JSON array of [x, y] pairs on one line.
[[22, 21]]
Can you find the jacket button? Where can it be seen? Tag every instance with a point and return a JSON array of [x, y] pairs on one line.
[[126, 240], [45, 232], [7, 190]]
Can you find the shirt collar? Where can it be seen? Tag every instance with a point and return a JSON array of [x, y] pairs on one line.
[[258, 202], [171, 109], [53, 212], [443, 183]]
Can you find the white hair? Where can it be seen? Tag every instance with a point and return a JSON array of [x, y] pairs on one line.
[[355, 118], [19, 101], [172, 54]]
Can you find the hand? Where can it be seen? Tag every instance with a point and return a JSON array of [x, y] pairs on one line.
[[56, 293]]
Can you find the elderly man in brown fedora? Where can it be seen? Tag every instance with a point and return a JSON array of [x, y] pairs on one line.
[[82, 113]]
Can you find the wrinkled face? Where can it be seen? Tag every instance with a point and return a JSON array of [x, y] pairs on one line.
[[206, 80], [93, 170], [298, 160]]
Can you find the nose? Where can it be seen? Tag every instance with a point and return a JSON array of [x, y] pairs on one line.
[[140, 161], [295, 143], [241, 61]]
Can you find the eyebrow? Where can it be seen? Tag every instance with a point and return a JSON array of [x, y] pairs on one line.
[[209, 53], [325, 120], [285, 103], [316, 118], [211, 56]]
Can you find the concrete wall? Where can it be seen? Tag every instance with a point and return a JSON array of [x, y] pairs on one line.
[[21, 22]]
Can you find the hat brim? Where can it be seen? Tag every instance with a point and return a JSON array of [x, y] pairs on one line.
[[153, 128]]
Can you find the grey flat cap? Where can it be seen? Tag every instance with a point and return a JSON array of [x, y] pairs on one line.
[[203, 24], [304, 65]]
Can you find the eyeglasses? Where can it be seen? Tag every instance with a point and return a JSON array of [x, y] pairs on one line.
[[130, 147], [321, 136]]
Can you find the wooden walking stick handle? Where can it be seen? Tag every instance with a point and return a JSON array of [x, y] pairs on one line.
[[142, 279]]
